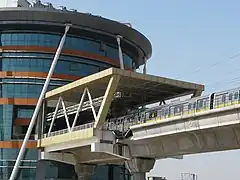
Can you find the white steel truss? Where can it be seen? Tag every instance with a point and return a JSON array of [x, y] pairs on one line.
[[60, 100], [99, 107], [73, 109], [81, 104], [77, 109]]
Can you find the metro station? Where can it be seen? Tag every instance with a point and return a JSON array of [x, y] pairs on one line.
[[95, 94]]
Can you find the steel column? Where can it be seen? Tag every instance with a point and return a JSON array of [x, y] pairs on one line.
[[65, 114], [54, 116], [145, 66], [38, 106], [120, 51], [79, 108], [107, 100]]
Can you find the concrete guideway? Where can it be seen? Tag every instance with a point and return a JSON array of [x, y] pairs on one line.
[[213, 130]]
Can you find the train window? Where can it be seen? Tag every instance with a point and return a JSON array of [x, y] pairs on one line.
[[223, 98], [177, 109], [230, 97], [171, 111], [153, 114], [189, 106], [194, 105], [163, 113], [200, 105], [205, 103], [166, 112], [236, 95]]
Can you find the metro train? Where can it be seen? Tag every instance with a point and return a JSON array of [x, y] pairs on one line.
[[189, 106], [193, 105]]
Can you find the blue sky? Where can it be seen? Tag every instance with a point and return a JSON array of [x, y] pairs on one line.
[[196, 41]]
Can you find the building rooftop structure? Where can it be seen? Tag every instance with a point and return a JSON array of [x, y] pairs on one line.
[[53, 19]]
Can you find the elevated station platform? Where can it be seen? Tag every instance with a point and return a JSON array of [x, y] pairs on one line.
[[75, 116]]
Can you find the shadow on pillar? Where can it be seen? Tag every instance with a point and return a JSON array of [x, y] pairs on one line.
[[85, 171], [138, 167], [53, 170]]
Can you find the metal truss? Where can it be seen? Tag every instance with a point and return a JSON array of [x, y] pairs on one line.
[[99, 107], [73, 109], [76, 109]]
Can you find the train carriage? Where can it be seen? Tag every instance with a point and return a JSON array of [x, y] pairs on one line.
[[226, 98], [164, 112], [189, 106], [203, 103], [153, 114]]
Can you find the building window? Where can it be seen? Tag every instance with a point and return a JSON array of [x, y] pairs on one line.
[[73, 43]]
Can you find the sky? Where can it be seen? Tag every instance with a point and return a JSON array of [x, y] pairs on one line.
[[196, 41]]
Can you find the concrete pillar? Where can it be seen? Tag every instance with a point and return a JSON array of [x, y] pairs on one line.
[[138, 176], [138, 167], [84, 171]]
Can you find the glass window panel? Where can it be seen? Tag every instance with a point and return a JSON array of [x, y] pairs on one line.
[[50, 40]]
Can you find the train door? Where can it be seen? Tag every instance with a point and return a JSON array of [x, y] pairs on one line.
[[224, 100], [171, 111], [230, 99], [142, 117], [238, 97], [178, 110], [167, 112], [185, 108], [211, 105], [190, 107]]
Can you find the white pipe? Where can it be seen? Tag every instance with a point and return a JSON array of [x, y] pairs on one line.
[[54, 116], [145, 66], [38, 106], [65, 114], [120, 51], [79, 109], [91, 104]]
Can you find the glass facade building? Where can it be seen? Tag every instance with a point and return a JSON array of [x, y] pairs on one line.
[[49, 170], [29, 38]]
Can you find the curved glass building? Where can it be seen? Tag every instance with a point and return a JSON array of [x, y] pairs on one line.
[[29, 37]]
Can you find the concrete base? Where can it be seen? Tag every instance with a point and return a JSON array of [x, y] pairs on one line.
[[55, 170], [138, 176], [138, 167], [84, 171]]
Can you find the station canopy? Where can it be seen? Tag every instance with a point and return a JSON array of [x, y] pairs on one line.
[[133, 88]]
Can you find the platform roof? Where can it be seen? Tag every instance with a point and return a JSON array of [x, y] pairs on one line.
[[141, 88]]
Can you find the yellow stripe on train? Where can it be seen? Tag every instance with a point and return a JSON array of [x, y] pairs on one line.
[[226, 104]]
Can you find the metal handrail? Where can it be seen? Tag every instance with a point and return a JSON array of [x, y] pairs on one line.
[[64, 131]]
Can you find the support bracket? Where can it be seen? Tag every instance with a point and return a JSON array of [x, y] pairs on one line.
[[108, 96]]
